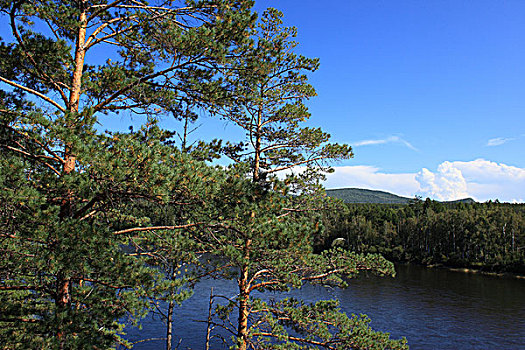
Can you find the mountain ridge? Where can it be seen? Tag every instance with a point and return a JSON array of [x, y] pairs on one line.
[[361, 195]]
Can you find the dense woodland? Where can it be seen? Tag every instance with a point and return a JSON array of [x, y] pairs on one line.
[[488, 236], [99, 228]]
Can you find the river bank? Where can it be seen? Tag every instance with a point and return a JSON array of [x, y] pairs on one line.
[[476, 271]]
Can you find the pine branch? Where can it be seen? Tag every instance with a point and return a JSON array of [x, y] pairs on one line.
[[30, 57], [92, 40], [33, 92], [44, 147], [101, 282], [101, 105], [20, 288], [306, 161], [155, 228], [300, 340], [36, 157], [102, 8], [14, 320]]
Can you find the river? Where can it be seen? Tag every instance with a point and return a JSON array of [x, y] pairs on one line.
[[432, 308]]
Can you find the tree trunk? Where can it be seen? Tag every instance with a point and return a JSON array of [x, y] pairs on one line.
[[62, 301], [80, 53], [209, 327], [257, 156], [169, 325], [63, 292], [171, 305], [242, 331], [244, 296]]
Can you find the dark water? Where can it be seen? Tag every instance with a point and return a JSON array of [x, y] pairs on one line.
[[432, 308]]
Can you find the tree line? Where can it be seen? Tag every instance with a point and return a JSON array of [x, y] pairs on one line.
[[488, 236], [99, 228]]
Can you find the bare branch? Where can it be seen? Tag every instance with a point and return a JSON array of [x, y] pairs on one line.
[[86, 207], [20, 288], [92, 40], [306, 161], [27, 320], [46, 148], [262, 284], [321, 276], [155, 228], [102, 8], [257, 274], [34, 157], [34, 92], [101, 282], [276, 146]]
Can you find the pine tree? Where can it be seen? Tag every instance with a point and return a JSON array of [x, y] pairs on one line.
[[269, 92], [65, 280], [266, 236]]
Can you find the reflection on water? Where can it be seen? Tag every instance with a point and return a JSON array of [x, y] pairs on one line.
[[432, 308]]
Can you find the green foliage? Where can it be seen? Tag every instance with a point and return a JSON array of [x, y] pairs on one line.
[[269, 91], [265, 235], [267, 248], [67, 277], [107, 283], [96, 227], [292, 324], [482, 235]]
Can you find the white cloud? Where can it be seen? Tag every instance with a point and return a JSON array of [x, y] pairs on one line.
[[490, 171], [490, 180], [480, 179], [498, 141], [390, 139], [447, 184]]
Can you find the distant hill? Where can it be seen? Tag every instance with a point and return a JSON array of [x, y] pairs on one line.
[[464, 200], [359, 195]]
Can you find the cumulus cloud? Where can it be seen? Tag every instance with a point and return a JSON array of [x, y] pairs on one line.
[[390, 139], [490, 180], [490, 171], [447, 183], [480, 179]]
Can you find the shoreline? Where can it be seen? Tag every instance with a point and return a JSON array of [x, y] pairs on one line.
[[468, 270], [473, 271]]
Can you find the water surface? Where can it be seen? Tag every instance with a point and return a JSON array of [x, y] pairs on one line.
[[432, 308]]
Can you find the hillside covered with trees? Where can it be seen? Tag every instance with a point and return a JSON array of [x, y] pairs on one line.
[[359, 195]]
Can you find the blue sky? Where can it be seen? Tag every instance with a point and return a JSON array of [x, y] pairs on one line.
[[431, 94]]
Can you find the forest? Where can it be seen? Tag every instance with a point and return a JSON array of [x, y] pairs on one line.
[[487, 236], [101, 226]]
